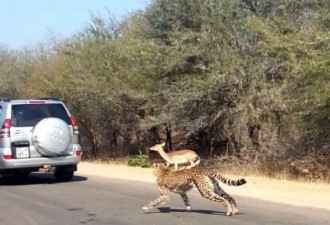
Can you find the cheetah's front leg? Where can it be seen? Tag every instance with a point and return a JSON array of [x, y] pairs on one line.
[[186, 201], [162, 199], [182, 191]]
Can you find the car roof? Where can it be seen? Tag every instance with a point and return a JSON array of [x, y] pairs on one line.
[[31, 101]]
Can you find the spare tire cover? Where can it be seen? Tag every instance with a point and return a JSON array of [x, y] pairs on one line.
[[51, 136]]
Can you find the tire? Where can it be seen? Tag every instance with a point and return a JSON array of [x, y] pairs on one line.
[[21, 175], [63, 175], [51, 137]]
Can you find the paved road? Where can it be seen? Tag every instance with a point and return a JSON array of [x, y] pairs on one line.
[[39, 200]]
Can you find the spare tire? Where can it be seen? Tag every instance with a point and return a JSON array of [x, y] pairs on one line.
[[51, 137]]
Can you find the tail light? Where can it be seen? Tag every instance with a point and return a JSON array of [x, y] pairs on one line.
[[5, 129], [6, 157], [78, 153], [74, 126]]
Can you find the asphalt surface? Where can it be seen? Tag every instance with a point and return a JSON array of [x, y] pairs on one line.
[[40, 200]]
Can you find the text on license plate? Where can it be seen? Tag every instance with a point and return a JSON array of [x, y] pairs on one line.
[[22, 152]]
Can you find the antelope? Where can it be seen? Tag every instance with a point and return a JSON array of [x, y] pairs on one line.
[[177, 157]]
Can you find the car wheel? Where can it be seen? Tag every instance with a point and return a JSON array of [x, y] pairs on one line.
[[63, 175], [21, 175]]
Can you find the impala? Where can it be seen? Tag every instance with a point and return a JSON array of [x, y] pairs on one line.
[[177, 157]]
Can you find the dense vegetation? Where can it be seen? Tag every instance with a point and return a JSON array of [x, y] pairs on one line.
[[242, 82]]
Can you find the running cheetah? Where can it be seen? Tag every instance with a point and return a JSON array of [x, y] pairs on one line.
[[205, 180]]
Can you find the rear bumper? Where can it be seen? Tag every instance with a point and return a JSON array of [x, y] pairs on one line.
[[6, 164]]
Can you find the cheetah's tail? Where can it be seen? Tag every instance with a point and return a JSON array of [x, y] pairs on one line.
[[229, 182]]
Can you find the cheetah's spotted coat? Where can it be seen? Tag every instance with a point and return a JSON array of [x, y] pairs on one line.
[[205, 180]]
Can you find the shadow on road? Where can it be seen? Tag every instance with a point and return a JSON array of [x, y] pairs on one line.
[[35, 178], [200, 211]]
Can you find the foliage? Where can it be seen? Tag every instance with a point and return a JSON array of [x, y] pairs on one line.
[[138, 160]]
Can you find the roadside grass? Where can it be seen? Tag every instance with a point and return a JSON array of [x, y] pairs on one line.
[[228, 167]]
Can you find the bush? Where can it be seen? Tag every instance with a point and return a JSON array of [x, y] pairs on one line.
[[139, 160]]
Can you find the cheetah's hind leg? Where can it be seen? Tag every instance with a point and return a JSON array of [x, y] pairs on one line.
[[219, 191], [206, 189]]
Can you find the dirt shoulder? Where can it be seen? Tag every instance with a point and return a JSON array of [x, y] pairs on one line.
[[281, 191]]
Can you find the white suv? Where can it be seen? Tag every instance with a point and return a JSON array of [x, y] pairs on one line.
[[38, 135]]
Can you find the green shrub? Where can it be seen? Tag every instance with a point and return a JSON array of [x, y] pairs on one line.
[[139, 160]]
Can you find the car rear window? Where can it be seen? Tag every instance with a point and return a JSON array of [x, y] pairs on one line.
[[30, 114]]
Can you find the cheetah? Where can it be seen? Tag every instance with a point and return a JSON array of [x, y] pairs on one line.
[[205, 180]]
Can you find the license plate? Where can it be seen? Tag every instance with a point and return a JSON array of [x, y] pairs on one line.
[[22, 152]]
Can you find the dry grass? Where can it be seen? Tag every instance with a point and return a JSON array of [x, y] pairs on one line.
[[273, 169], [108, 161], [278, 171]]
